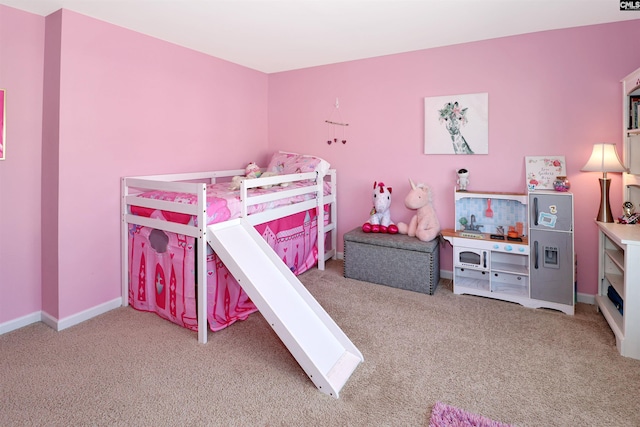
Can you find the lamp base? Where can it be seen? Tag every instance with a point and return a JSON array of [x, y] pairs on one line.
[[604, 214]]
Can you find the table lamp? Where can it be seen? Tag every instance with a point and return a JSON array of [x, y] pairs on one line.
[[604, 158]]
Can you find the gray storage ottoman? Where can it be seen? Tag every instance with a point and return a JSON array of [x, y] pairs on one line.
[[392, 259]]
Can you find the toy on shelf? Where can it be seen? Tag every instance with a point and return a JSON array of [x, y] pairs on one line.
[[380, 215], [463, 223], [463, 179], [424, 225], [629, 215]]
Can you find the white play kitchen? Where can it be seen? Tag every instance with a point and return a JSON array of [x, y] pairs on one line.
[[515, 247]]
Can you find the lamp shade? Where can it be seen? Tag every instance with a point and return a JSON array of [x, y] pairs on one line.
[[604, 158]]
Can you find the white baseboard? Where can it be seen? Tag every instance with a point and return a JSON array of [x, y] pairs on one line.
[[586, 298], [77, 318], [446, 274], [20, 322], [49, 320], [59, 324]]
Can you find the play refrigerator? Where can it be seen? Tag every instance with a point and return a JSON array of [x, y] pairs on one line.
[[551, 260]]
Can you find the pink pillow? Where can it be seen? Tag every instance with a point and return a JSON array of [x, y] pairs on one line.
[[286, 163]]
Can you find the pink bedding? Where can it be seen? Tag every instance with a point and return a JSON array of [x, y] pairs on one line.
[[162, 276]]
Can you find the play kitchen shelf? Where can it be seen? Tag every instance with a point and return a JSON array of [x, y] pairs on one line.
[[488, 267], [491, 248]]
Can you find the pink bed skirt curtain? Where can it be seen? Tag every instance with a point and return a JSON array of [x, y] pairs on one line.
[[162, 275]]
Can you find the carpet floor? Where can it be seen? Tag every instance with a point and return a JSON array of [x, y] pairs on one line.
[[443, 415], [521, 366]]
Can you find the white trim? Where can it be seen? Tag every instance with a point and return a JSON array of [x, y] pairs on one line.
[[20, 322], [56, 324], [446, 274], [78, 318], [49, 320], [586, 298]]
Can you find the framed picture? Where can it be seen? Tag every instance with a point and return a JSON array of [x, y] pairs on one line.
[[543, 170], [456, 124], [3, 132]]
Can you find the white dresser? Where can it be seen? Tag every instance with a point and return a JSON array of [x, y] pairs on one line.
[[619, 267]]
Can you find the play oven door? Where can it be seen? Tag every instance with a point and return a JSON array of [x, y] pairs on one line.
[[477, 259]]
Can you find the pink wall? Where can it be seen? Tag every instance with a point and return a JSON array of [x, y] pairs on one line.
[[21, 65], [132, 105], [122, 104], [550, 93], [119, 103]]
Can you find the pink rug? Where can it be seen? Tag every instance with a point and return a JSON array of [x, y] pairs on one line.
[[443, 415]]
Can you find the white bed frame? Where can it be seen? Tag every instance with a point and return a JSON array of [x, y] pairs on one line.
[[196, 184]]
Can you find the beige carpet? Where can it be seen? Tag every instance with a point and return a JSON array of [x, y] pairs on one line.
[[517, 365]]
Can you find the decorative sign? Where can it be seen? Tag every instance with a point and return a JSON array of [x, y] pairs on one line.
[[543, 170]]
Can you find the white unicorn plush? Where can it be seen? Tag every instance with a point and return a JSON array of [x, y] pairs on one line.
[[380, 215]]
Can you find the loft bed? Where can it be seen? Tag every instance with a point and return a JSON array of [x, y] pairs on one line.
[[168, 267]]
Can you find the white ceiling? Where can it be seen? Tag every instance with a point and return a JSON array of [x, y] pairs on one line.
[[279, 35]]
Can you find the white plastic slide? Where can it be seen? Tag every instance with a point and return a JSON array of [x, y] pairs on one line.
[[323, 351]]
